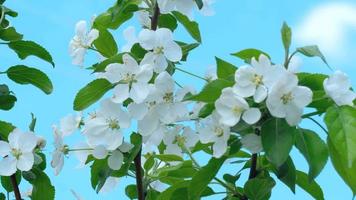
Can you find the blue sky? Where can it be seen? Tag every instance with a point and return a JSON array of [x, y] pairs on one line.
[[236, 25]]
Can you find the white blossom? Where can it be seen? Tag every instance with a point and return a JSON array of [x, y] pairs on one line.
[[287, 99], [116, 158], [163, 48], [109, 185], [232, 107], [252, 142], [130, 37], [17, 153], [337, 86], [70, 123], [132, 80], [60, 151], [210, 130], [179, 139], [144, 18], [81, 42], [184, 6], [210, 73]]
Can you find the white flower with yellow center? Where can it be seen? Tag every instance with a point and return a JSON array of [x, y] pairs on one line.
[[180, 139], [184, 6], [231, 107], [287, 99]]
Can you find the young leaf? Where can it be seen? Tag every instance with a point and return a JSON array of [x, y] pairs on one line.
[[312, 51], [191, 26], [131, 191], [277, 140], [91, 93], [169, 158], [313, 149], [26, 75], [100, 67], [167, 21], [247, 54], [211, 91], [106, 44], [286, 33], [29, 48], [99, 171], [341, 123], [203, 177], [224, 69], [259, 188], [206, 110], [10, 34], [186, 48], [312, 187]]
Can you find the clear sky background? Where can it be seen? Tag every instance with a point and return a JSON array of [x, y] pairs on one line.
[[238, 24]]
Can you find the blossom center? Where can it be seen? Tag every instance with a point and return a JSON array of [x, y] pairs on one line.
[[286, 98], [16, 153], [158, 50], [113, 124], [237, 110], [218, 131], [180, 140], [257, 79], [129, 78], [168, 97]]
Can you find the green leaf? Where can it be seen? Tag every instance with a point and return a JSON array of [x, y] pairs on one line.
[[106, 44], [191, 26], [312, 187], [313, 149], [42, 187], [167, 21], [312, 51], [32, 125], [24, 49], [138, 52], [247, 54], [211, 91], [26, 75], [99, 171], [91, 93], [7, 102], [341, 123], [186, 48], [287, 174], [259, 188], [199, 3], [6, 182], [5, 129], [225, 70], [169, 158], [100, 67], [168, 193], [203, 177], [115, 16], [2, 196], [206, 110], [10, 34], [277, 140], [131, 191], [286, 33]]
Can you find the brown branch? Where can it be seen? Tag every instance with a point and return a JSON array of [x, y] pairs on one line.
[[154, 19], [15, 187], [139, 177], [253, 169]]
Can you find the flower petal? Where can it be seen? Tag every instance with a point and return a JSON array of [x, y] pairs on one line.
[[147, 39], [4, 149], [8, 166], [173, 51], [121, 93], [115, 160], [252, 115], [25, 162], [100, 152]]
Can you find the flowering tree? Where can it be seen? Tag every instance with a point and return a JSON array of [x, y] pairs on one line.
[[21, 151], [151, 128]]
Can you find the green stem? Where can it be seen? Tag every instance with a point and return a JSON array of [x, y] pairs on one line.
[[88, 149], [317, 123], [189, 73], [312, 114]]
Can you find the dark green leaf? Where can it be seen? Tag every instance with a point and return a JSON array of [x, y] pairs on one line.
[[259, 188], [206, 110], [2, 196], [91, 93], [42, 187], [30, 48], [6, 181], [312, 187], [5, 129], [286, 33], [312, 51], [199, 3], [26, 75], [169, 158], [191, 26], [10, 34], [167, 21], [287, 174], [277, 140], [186, 48], [33, 123], [211, 91], [100, 67], [225, 70], [247, 54], [7, 102], [313, 149], [341, 123], [106, 44], [203, 177], [131, 191], [100, 171]]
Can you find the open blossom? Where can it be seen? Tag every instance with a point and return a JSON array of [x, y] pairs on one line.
[[287, 99], [132, 80], [17, 153], [210, 73], [105, 128], [81, 42], [337, 86], [232, 107], [177, 142], [70, 123], [60, 151], [130, 37], [211, 130], [255, 80], [163, 48], [252, 142], [184, 6]]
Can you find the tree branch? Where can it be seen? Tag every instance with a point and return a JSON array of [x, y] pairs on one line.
[[15, 187], [154, 19]]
